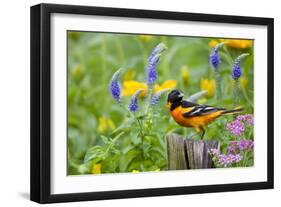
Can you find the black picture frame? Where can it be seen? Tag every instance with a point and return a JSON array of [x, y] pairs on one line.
[[41, 102]]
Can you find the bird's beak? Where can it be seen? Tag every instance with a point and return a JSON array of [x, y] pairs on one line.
[[181, 95]]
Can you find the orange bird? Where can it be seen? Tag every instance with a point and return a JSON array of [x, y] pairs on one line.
[[193, 115]]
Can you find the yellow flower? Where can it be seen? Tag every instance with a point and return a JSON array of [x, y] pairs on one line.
[[135, 171], [213, 43], [131, 86], [145, 38], [239, 44], [243, 82], [168, 84], [96, 168], [233, 43], [105, 124], [209, 86], [185, 75]]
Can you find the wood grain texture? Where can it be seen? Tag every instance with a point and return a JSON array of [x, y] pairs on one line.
[[189, 153], [176, 152]]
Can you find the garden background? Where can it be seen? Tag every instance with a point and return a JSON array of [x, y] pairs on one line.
[[94, 117]]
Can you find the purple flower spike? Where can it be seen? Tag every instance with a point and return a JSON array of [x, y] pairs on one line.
[[215, 57], [134, 106], [236, 68], [156, 97], [114, 86], [153, 61]]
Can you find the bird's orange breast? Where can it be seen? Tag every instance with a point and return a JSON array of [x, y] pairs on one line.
[[179, 118], [196, 121]]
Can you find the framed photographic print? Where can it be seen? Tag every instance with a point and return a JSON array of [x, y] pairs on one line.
[[132, 103]]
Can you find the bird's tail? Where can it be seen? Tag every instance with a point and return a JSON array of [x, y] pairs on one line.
[[233, 111]]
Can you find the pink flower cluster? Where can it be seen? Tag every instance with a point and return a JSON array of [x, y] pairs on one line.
[[237, 127], [224, 160], [229, 159], [247, 118], [235, 147]]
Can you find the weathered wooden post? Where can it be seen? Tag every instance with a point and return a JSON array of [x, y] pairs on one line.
[[189, 153]]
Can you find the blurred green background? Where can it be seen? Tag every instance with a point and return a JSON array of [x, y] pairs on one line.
[[93, 115]]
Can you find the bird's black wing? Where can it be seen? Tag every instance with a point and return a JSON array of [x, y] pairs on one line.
[[186, 104], [198, 110]]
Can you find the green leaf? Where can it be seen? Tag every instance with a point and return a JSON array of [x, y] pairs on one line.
[[96, 152]]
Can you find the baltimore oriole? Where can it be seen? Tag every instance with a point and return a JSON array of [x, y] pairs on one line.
[[193, 115]]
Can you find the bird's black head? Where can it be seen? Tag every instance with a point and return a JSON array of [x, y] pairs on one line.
[[175, 96]]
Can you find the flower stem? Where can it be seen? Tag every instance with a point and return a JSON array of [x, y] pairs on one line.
[[245, 160], [149, 95], [140, 126], [237, 92], [142, 136], [218, 86]]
